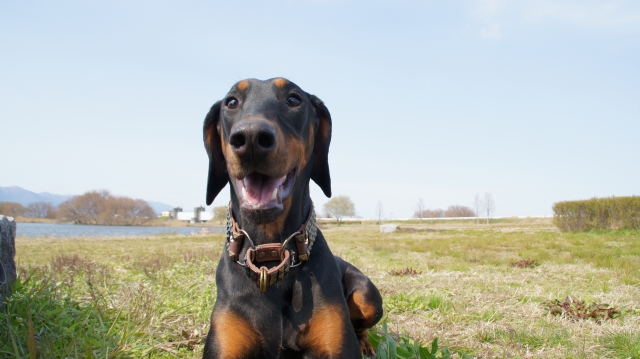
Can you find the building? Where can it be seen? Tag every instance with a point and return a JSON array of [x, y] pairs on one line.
[[198, 215]]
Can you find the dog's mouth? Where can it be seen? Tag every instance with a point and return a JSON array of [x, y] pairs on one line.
[[258, 191]]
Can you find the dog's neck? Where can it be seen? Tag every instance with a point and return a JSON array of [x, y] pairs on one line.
[[295, 213]]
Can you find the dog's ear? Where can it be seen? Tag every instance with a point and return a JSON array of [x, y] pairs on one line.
[[218, 176], [320, 171]]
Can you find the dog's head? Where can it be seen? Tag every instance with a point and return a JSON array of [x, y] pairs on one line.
[[267, 138]]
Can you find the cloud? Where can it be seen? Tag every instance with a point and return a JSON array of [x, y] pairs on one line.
[[589, 14], [494, 17]]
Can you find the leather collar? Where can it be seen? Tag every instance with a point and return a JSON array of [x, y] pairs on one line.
[[304, 238]]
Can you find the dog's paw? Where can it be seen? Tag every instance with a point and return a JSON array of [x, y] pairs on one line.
[[367, 348]]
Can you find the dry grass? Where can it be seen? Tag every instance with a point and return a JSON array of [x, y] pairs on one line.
[[489, 307], [464, 289], [20, 219]]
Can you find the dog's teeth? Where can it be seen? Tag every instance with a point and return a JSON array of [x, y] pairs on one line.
[[275, 194], [244, 192]]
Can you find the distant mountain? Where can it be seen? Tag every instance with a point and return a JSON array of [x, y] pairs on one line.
[[159, 207], [25, 197]]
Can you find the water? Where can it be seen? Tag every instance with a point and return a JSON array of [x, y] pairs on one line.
[[72, 230]]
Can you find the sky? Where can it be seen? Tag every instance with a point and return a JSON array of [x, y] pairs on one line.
[[534, 102]]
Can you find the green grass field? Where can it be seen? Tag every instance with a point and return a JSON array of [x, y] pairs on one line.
[[454, 281]]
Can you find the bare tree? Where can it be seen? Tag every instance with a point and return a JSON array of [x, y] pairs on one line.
[[125, 211], [100, 207], [12, 209], [433, 213], [459, 211], [340, 207], [489, 205], [86, 208], [477, 203], [420, 208], [41, 210], [379, 211]]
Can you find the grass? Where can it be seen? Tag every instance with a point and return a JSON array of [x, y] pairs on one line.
[[455, 282], [624, 344]]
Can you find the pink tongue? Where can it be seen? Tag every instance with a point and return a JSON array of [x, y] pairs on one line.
[[260, 188]]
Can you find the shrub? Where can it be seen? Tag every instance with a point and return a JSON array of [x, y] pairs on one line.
[[598, 213]]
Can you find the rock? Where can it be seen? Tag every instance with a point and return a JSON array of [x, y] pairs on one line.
[[7, 255], [388, 228]]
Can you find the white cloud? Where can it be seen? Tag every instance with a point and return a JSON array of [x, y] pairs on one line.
[[591, 14], [494, 17]]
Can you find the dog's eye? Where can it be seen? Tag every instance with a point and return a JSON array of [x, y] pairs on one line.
[[294, 101], [232, 103]]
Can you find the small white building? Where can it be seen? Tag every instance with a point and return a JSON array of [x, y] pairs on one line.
[[197, 216]]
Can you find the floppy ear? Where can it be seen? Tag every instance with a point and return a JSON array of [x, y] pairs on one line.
[[320, 171], [218, 176]]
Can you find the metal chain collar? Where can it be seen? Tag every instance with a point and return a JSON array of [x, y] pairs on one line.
[[304, 239]]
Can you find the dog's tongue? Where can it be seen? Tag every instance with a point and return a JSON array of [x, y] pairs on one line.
[[260, 189]]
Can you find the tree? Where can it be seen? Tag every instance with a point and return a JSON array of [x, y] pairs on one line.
[[477, 203], [379, 211], [85, 209], [430, 213], [41, 210], [433, 213], [489, 205], [220, 213], [459, 211], [420, 208], [12, 209], [100, 207], [340, 207], [125, 211]]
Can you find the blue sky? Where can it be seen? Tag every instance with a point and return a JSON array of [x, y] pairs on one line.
[[535, 102]]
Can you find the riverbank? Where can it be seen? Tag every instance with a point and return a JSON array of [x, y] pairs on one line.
[[63, 230], [156, 222]]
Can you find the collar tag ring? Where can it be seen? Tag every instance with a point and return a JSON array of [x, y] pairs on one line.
[[263, 279]]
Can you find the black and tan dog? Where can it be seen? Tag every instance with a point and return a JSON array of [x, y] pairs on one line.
[[281, 293]]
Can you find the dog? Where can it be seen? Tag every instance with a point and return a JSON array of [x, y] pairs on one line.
[[281, 293]]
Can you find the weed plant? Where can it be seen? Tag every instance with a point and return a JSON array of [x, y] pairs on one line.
[[390, 346], [526, 263], [575, 310], [404, 271]]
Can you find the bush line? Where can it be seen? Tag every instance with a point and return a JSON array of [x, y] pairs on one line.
[[598, 213]]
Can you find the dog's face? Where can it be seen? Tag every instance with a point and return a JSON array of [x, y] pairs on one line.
[[267, 138]]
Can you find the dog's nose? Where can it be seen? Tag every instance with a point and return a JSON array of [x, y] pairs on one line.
[[253, 139]]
